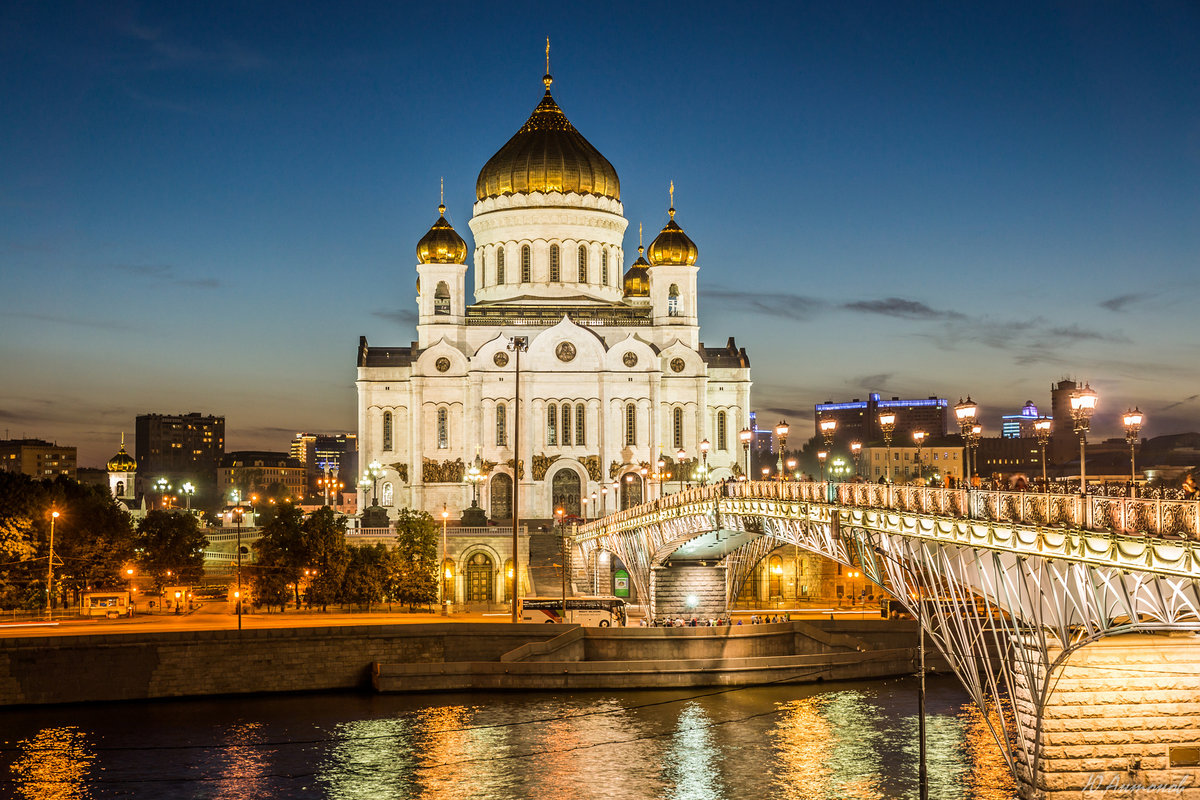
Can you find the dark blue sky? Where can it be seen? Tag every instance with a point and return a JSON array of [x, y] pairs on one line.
[[203, 205]]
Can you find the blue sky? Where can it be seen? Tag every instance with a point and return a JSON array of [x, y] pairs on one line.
[[202, 206]]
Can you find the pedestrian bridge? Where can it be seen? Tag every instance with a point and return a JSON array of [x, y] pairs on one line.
[[1011, 586]]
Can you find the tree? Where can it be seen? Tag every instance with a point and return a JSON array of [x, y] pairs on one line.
[[416, 554], [325, 541], [366, 575], [170, 542], [94, 539], [281, 553]]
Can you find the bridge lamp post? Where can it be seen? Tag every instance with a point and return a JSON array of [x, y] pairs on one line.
[[375, 470], [965, 412], [828, 429], [1041, 429], [442, 561], [603, 501], [766, 473], [680, 455], [645, 483], [704, 445], [781, 432], [1083, 405], [855, 452], [616, 490], [821, 456], [887, 423], [1133, 426], [919, 438], [745, 436], [660, 465], [791, 467]]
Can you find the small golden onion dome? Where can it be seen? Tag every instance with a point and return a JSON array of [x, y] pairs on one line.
[[672, 247], [441, 245], [547, 155], [637, 279], [122, 462]]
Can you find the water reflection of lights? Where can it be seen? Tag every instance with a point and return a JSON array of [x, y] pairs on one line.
[[988, 776], [803, 743], [693, 763], [245, 764], [54, 765]]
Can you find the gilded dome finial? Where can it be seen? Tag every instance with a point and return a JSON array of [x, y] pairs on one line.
[[441, 195], [546, 79], [639, 237], [671, 210]]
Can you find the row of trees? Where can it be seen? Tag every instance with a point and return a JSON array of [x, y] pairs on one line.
[[294, 549], [95, 543]]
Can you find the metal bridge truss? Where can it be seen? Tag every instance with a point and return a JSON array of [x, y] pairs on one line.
[[1006, 603]]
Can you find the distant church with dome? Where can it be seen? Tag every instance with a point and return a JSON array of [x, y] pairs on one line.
[[614, 381]]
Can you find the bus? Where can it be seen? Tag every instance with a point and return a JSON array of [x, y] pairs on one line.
[[594, 611]]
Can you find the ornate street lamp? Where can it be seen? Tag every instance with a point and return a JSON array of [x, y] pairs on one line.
[[828, 428], [1041, 429], [791, 467], [821, 456], [965, 412], [973, 437], [887, 423], [919, 438], [680, 455], [50, 566], [746, 436], [188, 489], [660, 465], [704, 445], [442, 562], [781, 432], [856, 451], [1083, 405], [163, 486], [238, 511], [518, 345], [364, 483], [1133, 426]]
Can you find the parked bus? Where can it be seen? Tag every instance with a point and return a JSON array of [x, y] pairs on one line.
[[593, 611]]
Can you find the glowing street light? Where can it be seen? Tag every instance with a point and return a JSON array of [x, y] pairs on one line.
[[442, 587], [1133, 426], [1041, 429], [50, 565], [887, 423], [188, 489], [828, 428], [704, 445], [746, 435], [965, 412], [856, 451], [1083, 405], [781, 432], [919, 438], [821, 456]]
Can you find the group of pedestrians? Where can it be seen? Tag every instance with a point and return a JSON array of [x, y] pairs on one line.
[[713, 622]]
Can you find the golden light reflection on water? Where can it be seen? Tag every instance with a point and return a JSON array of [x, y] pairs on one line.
[[988, 778], [804, 745], [243, 764], [693, 762], [53, 765]]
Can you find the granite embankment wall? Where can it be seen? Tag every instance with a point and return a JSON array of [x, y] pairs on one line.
[[74, 669]]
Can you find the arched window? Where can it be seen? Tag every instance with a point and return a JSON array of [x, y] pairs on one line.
[[673, 301], [630, 425], [721, 431], [502, 491], [566, 424], [583, 263], [677, 428], [443, 435], [500, 265], [580, 419], [388, 493], [387, 430], [566, 492], [551, 425], [775, 586], [501, 426], [525, 264], [604, 267], [555, 272], [441, 299], [483, 268]]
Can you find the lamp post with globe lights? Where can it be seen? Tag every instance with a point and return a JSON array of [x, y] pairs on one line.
[[188, 489], [887, 423], [1083, 405], [704, 445], [919, 438], [781, 433], [746, 436], [965, 413], [1041, 429], [1133, 427], [163, 486], [855, 452]]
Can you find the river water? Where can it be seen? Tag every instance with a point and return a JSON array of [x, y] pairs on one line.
[[837, 740]]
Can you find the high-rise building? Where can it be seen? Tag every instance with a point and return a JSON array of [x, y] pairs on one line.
[[1064, 442], [858, 420], [1020, 425], [37, 458], [185, 447], [327, 453]]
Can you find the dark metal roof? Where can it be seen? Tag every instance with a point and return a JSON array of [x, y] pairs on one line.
[[730, 356], [385, 356]]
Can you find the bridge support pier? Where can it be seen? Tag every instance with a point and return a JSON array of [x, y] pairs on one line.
[[687, 590], [1121, 720]]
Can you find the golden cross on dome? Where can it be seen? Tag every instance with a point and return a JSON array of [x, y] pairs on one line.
[[441, 195], [639, 235], [671, 211], [547, 55]]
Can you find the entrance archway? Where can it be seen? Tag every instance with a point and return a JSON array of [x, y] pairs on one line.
[[479, 579], [566, 491], [631, 490], [502, 486]]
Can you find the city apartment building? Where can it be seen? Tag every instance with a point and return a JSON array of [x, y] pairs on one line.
[[37, 458], [941, 458], [858, 420], [254, 471]]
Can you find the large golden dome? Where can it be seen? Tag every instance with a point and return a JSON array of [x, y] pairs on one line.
[[547, 155], [672, 247], [442, 245]]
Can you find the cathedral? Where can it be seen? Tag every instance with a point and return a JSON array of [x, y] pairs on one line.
[[584, 382]]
